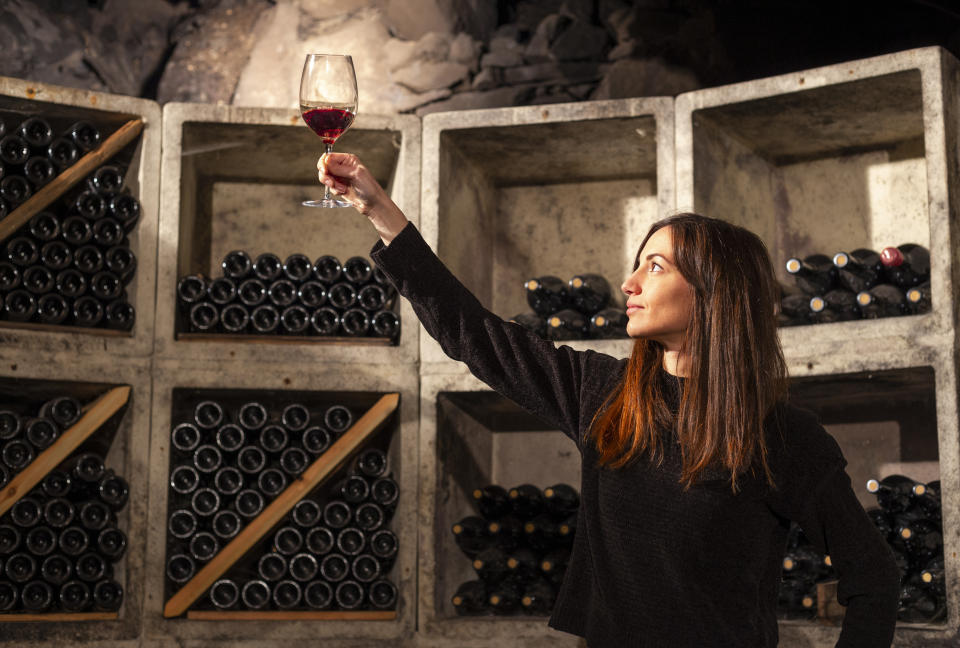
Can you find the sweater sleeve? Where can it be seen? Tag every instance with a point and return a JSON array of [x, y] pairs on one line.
[[869, 581], [545, 380]]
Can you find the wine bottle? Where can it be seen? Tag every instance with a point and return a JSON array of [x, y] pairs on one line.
[[56, 483], [14, 150], [384, 544], [182, 524], [334, 567], [94, 515], [325, 321], [26, 512], [268, 267], [226, 524], [22, 251], [73, 540], [523, 565], [282, 293], [9, 277], [327, 269], [38, 171], [228, 481], [180, 568], [504, 597], [52, 309], [273, 438], [36, 131], [589, 293], [507, 532], [107, 179], [204, 317], [526, 501], [906, 265], [255, 594], [107, 595], [236, 265], [208, 415], [297, 268], [815, 274], [251, 460], [353, 489], [337, 419], [369, 517], [56, 569], [385, 492], [472, 535], [306, 513], [41, 433], [85, 135], [251, 292], [252, 416], [797, 598], [20, 568], [491, 565], [74, 596], [303, 567], [221, 291], [41, 541], [207, 458], [287, 594], [538, 598], [385, 323], [918, 299], [554, 564], [58, 512], [318, 595], [365, 568], [337, 514], [121, 261], [185, 437], [357, 270], [916, 605], [342, 296], [91, 567], [312, 295], [17, 455], [372, 298], [56, 256], [15, 190], [382, 594], [540, 532], [567, 324], [234, 318], [492, 501], [566, 530], [71, 283], [9, 539], [205, 502], [105, 286], [203, 546], [112, 543], [224, 594], [90, 205], [372, 462], [858, 270], [288, 540], [191, 289], [320, 541], [271, 482], [608, 323], [63, 153], [470, 598], [547, 294], [265, 319], [119, 315], [894, 492], [316, 440], [351, 541], [44, 226], [349, 595], [38, 280], [125, 209], [560, 500], [294, 320], [883, 300], [37, 596]]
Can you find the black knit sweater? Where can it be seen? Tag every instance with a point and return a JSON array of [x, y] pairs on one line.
[[652, 565]]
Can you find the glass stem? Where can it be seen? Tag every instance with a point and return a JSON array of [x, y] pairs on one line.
[[326, 189]]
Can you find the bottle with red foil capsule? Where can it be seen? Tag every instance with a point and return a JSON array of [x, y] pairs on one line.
[[906, 265]]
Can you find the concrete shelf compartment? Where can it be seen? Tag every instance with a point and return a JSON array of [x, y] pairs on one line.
[[168, 615], [234, 179], [514, 193], [471, 437], [63, 107], [116, 401], [831, 159]]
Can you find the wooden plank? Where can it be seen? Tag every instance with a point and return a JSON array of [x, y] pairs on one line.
[[61, 328], [284, 339], [77, 172], [312, 477], [93, 417], [299, 615], [60, 616]]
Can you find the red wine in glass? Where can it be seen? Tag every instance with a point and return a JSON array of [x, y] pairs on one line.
[[328, 123], [328, 104]]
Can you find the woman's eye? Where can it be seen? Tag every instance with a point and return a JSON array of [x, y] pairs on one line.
[[655, 267]]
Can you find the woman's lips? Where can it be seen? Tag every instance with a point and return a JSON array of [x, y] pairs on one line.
[[633, 309]]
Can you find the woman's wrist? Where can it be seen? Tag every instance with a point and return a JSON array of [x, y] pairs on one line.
[[388, 220]]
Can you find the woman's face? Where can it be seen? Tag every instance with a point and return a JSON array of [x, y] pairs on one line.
[[659, 299]]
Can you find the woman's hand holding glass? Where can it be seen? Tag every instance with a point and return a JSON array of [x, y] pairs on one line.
[[349, 179]]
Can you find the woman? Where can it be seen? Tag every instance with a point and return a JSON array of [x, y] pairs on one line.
[[693, 465]]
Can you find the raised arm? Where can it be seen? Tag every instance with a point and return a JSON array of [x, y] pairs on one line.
[[510, 359]]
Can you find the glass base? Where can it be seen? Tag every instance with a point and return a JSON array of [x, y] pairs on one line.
[[327, 202]]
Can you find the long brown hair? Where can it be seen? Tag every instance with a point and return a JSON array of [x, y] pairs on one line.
[[737, 373]]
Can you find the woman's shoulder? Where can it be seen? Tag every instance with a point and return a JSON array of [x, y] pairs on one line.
[[795, 435]]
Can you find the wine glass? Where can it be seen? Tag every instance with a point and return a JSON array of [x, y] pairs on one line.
[[328, 104]]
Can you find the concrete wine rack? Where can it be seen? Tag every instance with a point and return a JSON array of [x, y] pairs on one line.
[[115, 425], [20, 99], [863, 153]]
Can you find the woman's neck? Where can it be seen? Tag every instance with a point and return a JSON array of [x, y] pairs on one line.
[[676, 363]]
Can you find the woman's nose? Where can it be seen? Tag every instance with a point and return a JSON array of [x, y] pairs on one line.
[[630, 285]]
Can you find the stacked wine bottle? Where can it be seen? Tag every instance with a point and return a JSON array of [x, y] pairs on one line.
[[860, 284], [519, 546], [333, 552], [908, 515], [293, 297], [58, 544], [578, 309], [68, 265]]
